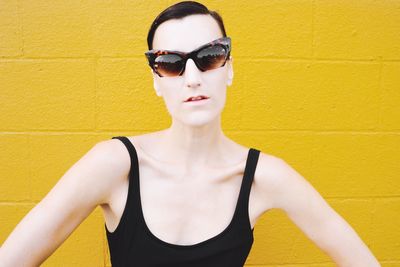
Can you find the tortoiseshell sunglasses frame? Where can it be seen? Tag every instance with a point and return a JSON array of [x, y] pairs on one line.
[[151, 55]]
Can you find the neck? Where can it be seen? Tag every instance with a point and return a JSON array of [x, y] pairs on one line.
[[195, 146]]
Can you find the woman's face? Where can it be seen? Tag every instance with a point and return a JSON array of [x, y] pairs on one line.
[[185, 35]]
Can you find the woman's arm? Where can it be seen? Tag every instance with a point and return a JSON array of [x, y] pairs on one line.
[[78, 192], [286, 189]]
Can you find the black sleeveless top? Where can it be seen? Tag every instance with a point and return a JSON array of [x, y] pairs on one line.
[[132, 244]]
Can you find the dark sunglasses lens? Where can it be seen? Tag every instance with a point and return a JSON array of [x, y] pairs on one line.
[[168, 65], [211, 57]]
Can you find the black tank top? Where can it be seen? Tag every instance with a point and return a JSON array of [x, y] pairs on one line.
[[132, 244]]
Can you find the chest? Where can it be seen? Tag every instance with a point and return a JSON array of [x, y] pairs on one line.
[[185, 208]]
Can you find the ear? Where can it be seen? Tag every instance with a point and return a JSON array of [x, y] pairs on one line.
[[156, 88], [230, 71]]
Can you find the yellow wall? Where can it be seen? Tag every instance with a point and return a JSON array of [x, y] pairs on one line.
[[316, 83]]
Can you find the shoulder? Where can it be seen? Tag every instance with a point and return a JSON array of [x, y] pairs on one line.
[[107, 165], [276, 180], [113, 154], [270, 170]]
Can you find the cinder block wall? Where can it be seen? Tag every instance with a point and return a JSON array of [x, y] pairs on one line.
[[316, 83]]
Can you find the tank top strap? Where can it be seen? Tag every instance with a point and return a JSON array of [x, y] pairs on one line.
[[131, 149], [133, 171], [248, 177]]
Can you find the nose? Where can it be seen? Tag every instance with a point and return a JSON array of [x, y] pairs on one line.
[[192, 74]]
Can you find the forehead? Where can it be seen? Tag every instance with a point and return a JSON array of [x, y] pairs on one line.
[[186, 34]]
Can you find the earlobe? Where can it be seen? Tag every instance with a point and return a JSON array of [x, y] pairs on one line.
[[158, 92], [230, 72]]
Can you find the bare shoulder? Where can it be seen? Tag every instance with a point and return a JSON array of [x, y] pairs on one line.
[[270, 169], [277, 181], [115, 162], [266, 177], [115, 153]]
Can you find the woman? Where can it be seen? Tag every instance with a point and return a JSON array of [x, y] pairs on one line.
[[200, 194]]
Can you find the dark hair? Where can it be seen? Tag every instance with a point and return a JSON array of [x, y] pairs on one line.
[[180, 10]]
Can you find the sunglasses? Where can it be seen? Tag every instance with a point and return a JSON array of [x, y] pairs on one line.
[[170, 63]]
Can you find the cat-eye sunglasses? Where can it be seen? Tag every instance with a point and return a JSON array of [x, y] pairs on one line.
[[170, 63]]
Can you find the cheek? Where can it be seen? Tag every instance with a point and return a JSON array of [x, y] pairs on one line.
[[171, 95], [216, 84], [169, 87], [217, 77]]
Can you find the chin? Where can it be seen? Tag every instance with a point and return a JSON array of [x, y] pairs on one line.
[[198, 120]]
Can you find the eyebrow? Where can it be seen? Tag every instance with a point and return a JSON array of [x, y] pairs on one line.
[[181, 52]]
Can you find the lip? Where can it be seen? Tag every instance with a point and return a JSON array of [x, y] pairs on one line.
[[186, 101], [197, 102]]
